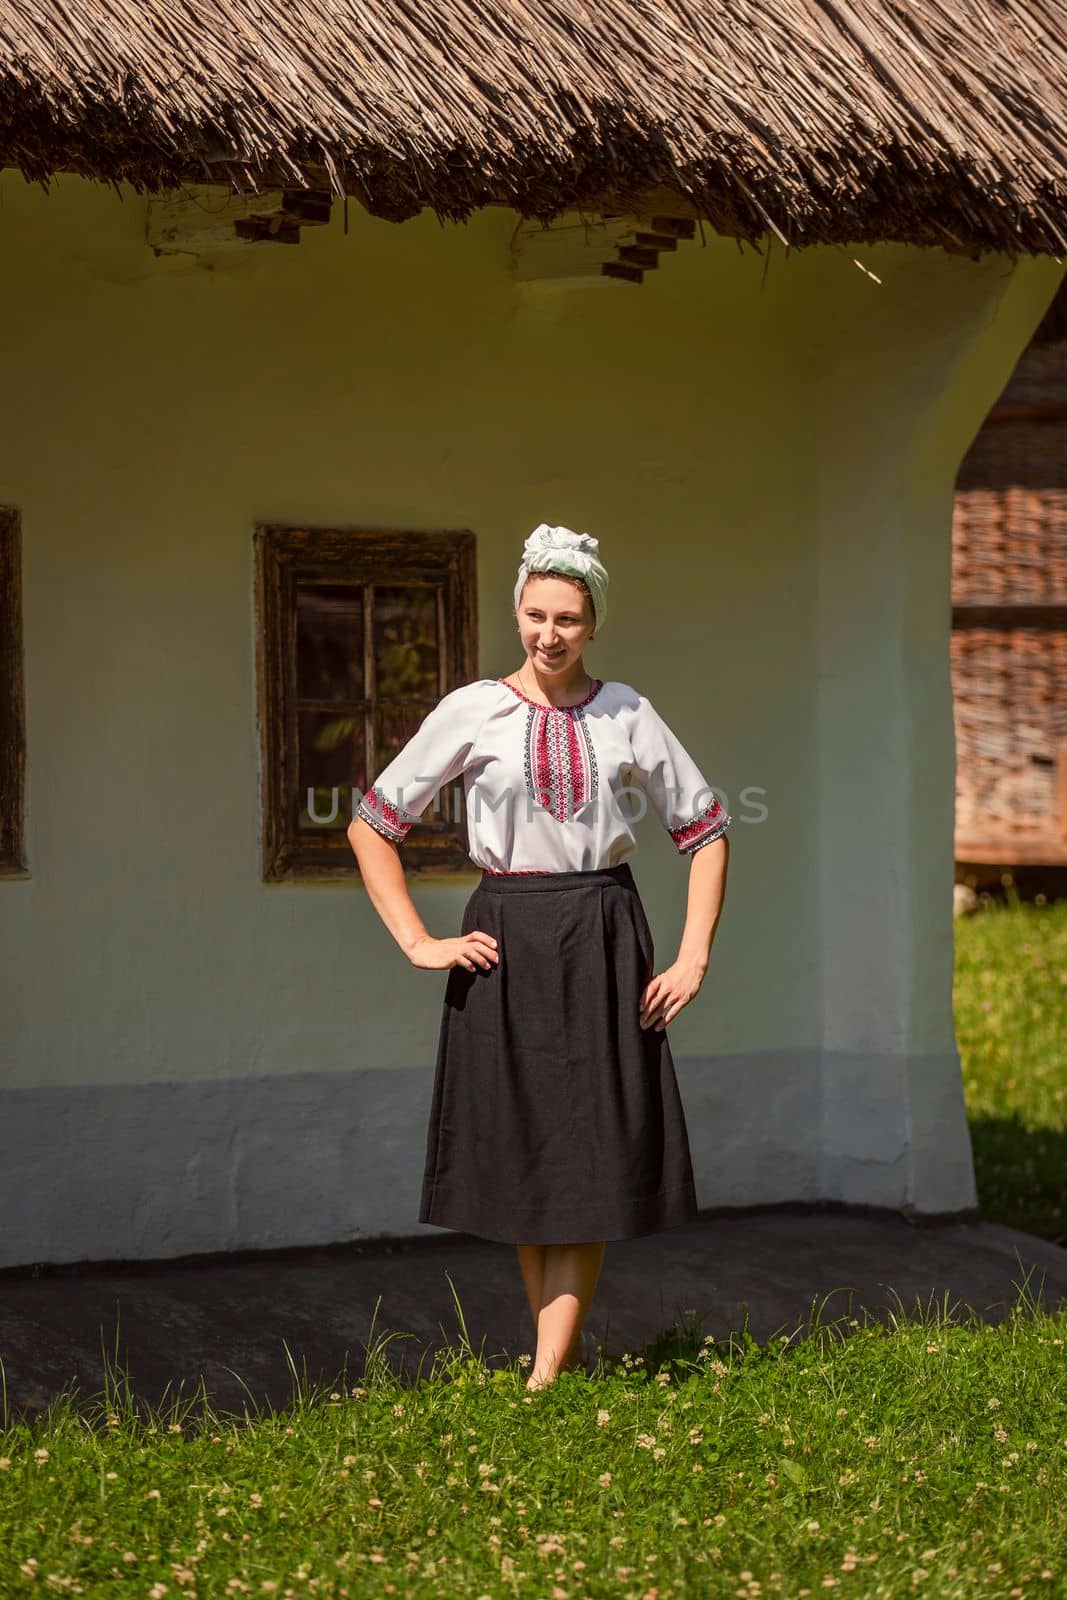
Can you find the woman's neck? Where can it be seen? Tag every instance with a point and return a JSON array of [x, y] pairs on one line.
[[575, 687]]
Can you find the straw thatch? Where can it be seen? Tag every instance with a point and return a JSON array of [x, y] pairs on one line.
[[925, 121]]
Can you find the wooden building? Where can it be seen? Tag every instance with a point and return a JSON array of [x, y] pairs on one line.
[[1009, 619]]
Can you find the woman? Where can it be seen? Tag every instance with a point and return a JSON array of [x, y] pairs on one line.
[[556, 1122]]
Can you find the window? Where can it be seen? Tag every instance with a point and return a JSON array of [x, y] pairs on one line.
[[359, 634], [12, 703]]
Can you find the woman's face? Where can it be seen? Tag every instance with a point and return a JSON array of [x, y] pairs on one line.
[[555, 620]]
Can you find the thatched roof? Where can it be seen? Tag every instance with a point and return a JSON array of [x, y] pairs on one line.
[[925, 121]]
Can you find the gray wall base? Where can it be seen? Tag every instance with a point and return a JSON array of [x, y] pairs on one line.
[[153, 1171]]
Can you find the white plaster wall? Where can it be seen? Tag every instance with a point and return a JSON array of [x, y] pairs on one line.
[[766, 448]]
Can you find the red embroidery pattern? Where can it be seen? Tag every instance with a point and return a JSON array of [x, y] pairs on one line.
[[522, 872], [561, 771], [711, 824], [388, 819], [560, 763]]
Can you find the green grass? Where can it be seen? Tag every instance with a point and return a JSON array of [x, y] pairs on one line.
[[924, 1456], [1010, 1004]]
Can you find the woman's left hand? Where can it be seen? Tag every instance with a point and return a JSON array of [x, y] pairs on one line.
[[669, 991]]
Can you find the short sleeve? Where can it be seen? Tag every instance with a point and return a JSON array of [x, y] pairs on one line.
[[677, 790], [437, 752]]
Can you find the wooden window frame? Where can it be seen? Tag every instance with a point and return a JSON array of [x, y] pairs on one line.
[[284, 555], [12, 701]]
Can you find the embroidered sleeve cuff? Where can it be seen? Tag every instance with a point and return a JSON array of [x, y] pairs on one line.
[[711, 824], [388, 819]]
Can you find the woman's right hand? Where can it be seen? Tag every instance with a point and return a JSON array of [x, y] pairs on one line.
[[468, 949]]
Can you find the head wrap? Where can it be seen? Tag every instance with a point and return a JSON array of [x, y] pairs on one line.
[[573, 555]]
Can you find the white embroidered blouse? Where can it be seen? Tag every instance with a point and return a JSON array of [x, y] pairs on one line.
[[548, 788]]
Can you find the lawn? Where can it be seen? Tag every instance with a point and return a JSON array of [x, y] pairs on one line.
[[924, 1456], [1010, 1005]]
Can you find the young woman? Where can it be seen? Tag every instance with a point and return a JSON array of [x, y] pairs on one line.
[[556, 1122]]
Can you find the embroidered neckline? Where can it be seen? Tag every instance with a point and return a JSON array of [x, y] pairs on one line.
[[598, 684]]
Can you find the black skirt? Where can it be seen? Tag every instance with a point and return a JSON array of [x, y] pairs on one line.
[[555, 1116]]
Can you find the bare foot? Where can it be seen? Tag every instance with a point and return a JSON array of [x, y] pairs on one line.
[[573, 1361]]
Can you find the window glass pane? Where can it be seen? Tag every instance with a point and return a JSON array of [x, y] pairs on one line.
[[329, 642], [331, 762], [405, 641]]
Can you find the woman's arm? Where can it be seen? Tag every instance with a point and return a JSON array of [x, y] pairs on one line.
[[383, 874], [707, 890], [672, 989]]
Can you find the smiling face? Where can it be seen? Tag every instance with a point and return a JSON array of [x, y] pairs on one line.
[[555, 619]]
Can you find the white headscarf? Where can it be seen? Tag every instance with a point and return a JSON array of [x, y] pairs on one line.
[[572, 554]]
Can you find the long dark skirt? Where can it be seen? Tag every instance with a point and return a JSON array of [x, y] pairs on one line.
[[556, 1117]]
